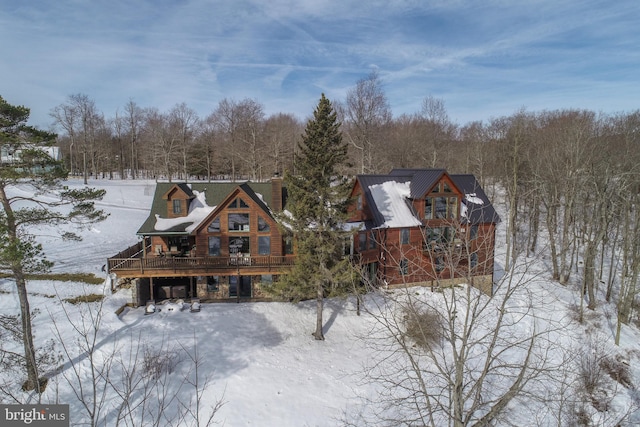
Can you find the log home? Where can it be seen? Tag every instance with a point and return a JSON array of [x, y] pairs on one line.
[[423, 226], [214, 241]]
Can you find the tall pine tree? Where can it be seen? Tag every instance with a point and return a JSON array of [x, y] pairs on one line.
[[318, 200], [26, 160]]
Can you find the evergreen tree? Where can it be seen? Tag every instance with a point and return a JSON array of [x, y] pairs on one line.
[[318, 198], [26, 160]]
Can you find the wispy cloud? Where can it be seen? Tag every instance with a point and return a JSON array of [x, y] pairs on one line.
[[483, 58]]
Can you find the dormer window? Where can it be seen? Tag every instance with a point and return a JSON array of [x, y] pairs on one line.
[[177, 206]]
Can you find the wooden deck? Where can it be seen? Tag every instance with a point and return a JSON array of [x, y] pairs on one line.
[[155, 266]]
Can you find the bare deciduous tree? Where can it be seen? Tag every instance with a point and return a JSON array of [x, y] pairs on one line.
[[367, 113], [454, 355]]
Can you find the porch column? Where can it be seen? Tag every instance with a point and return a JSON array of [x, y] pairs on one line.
[[152, 297]]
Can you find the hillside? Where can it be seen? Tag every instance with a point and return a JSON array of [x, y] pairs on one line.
[[261, 362]]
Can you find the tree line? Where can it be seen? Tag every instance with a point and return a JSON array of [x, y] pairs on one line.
[[571, 176]]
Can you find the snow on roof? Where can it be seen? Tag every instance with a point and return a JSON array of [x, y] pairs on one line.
[[471, 197], [390, 199], [198, 211]]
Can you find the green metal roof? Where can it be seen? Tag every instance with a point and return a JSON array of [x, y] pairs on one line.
[[215, 193]]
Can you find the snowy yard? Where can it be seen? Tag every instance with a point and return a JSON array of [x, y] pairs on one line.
[[261, 359]]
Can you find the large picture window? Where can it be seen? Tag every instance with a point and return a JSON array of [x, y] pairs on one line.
[[437, 237], [264, 245], [238, 222], [239, 244], [440, 207], [214, 246]]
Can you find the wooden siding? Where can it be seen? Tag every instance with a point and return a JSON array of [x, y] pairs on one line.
[[421, 263]]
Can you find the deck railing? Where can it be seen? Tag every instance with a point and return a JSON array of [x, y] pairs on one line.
[[196, 263]]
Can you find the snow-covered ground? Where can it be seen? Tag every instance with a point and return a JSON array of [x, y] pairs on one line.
[[262, 361]]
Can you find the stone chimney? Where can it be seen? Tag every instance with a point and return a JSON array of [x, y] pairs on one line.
[[276, 192]]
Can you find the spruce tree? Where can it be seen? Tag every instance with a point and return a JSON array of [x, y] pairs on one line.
[[318, 199], [26, 160]]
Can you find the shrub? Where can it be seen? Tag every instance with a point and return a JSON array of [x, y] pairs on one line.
[[422, 326], [84, 298], [618, 369]]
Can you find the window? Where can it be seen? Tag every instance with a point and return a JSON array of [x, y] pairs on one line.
[[473, 260], [359, 202], [428, 208], [213, 283], [177, 206], [239, 244], [233, 286], [439, 263], [214, 246], [372, 239], [404, 266], [264, 245], [178, 243], [214, 227], [404, 236], [238, 203], [288, 245], [453, 207], [238, 222], [362, 238], [372, 272], [441, 207], [263, 226], [266, 279], [446, 188], [473, 232], [436, 237]]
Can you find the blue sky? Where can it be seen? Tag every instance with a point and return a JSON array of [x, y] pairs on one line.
[[484, 58]]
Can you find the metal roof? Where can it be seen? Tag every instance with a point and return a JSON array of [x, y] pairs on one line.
[[476, 213], [421, 181], [366, 182], [215, 193]]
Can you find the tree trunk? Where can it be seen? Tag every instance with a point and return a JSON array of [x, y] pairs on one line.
[[27, 334], [25, 313], [318, 335]]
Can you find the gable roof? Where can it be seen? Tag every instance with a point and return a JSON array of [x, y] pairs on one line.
[[389, 196], [182, 186], [478, 206], [421, 179], [206, 196]]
